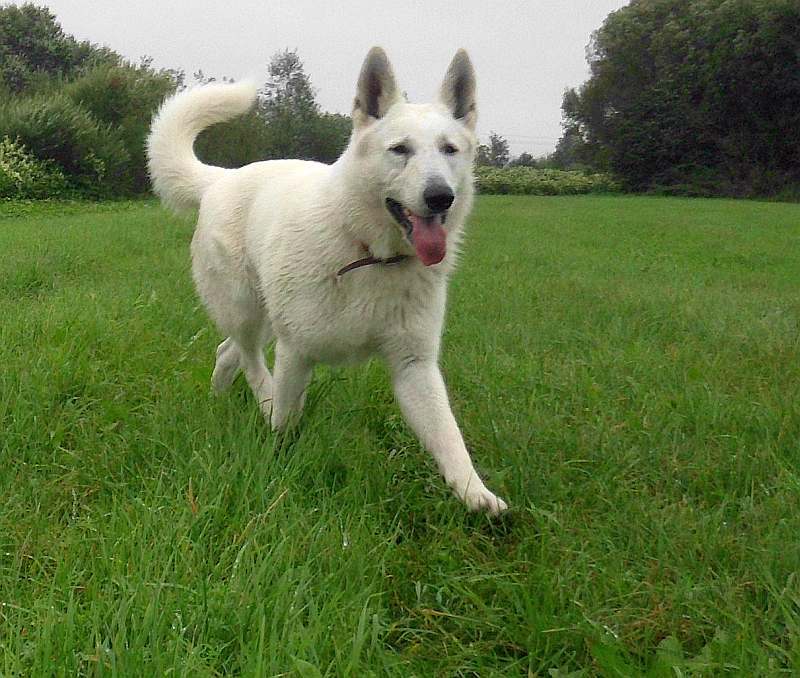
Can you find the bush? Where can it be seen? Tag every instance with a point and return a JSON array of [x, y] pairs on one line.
[[23, 176], [91, 154], [250, 138], [235, 143], [34, 49], [125, 98], [531, 181]]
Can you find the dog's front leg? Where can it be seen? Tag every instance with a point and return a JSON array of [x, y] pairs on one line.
[[422, 396]]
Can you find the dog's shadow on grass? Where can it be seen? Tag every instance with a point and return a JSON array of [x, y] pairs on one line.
[[448, 522]]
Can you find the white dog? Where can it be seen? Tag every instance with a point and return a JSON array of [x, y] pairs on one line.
[[334, 262]]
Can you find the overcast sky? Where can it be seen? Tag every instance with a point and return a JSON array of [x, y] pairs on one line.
[[525, 53]]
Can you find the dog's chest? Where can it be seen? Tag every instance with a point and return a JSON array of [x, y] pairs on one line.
[[348, 318]]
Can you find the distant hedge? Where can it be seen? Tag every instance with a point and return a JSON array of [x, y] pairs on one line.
[[532, 181]]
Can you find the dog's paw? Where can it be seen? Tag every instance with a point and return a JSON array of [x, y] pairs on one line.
[[226, 367], [484, 500], [477, 497]]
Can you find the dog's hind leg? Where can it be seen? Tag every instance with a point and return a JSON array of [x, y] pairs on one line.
[[227, 366], [243, 318], [238, 311], [244, 350]]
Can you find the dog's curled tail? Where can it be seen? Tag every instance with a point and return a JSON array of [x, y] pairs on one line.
[[179, 178]]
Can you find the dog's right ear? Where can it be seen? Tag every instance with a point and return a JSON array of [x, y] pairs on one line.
[[377, 89]]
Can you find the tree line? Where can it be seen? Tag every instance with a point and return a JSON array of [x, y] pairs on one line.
[[74, 117], [698, 97], [497, 154]]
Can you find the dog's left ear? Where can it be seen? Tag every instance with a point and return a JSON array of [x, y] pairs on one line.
[[458, 90], [377, 89]]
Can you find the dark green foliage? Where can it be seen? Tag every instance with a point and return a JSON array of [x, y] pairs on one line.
[[287, 123], [523, 160], [493, 154], [698, 97], [525, 180], [249, 139], [235, 143], [124, 97], [23, 176], [76, 105], [33, 44], [53, 127], [570, 152], [295, 126], [331, 132], [288, 107], [86, 112]]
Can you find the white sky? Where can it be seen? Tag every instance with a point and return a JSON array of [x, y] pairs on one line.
[[525, 53]]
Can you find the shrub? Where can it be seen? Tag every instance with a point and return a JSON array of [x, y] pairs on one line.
[[125, 98], [23, 176], [91, 154], [250, 138], [531, 181], [236, 142]]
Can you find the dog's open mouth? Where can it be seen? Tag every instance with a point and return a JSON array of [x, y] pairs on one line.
[[426, 234]]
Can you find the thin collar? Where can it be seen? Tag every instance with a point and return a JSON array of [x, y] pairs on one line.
[[369, 260]]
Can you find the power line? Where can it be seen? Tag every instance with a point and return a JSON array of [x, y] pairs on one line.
[[527, 137]]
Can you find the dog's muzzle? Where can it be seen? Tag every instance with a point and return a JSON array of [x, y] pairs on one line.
[[425, 233]]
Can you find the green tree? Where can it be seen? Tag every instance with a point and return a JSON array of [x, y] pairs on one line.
[[124, 98], [80, 107], [483, 156], [288, 105], [493, 154], [332, 132], [701, 95], [288, 88], [572, 152], [287, 122], [523, 160], [498, 149], [34, 48], [54, 128]]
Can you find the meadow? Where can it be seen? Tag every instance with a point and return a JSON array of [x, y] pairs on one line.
[[626, 372]]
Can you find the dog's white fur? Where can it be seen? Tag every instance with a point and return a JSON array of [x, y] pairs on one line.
[[272, 235]]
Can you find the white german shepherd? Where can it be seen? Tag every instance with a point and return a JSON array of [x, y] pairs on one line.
[[335, 262]]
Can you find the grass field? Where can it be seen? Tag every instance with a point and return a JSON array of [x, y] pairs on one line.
[[625, 370]]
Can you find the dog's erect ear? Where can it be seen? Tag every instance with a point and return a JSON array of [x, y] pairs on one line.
[[458, 89], [377, 89]]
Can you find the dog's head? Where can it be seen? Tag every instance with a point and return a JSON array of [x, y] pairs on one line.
[[415, 160]]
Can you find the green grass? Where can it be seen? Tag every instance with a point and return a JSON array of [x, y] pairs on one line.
[[625, 370]]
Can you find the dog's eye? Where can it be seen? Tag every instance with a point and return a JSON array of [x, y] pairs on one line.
[[449, 149], [400, 149]]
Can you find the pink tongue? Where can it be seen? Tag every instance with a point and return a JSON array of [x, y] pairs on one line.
[[430, 239]]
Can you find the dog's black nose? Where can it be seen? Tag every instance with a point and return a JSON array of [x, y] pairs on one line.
[[438, 197]]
